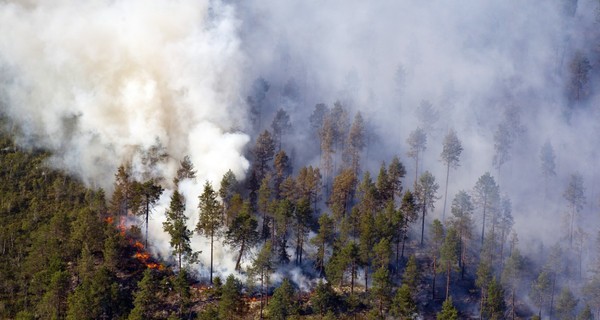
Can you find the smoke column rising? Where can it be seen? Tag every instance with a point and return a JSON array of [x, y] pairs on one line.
[[100, 82]]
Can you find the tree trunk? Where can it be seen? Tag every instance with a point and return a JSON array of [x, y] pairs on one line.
[[513, 303], [416, 169], [481, 304], [239, 259], [398, 255], [262, 293], [352, 274], [403, 242], [446, 192], [423, 222], [552, 294], [211, 256], [447, 279], [147, 217], [366, 278], [433, 281], [483, 224]]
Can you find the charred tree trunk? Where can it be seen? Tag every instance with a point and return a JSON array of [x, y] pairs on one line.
[[239, 259], [433, 280], [446, 192], [447, 279]]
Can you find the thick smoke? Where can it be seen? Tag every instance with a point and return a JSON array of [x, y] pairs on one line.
[[474, 62], [103, 83], [99, 83]]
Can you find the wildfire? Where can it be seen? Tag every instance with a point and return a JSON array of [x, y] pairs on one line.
[[141, 254]]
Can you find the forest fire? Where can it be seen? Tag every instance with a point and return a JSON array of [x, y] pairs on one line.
[[141, 254], [144, 256]]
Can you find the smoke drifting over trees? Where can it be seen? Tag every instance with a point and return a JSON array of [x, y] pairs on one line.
[[506, 89]]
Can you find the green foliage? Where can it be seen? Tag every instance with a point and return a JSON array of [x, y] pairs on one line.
[[382, 290], [448, 312], [566, 304], [284, 303], [324, 299], [232, 306], [145, 297], [411, 274], [494, 306], [176, 227], [404, 305]]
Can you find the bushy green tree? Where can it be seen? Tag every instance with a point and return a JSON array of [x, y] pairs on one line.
[[448, 312], [283, 303]]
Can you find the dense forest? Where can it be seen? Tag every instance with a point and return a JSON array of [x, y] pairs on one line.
[[247, 160]]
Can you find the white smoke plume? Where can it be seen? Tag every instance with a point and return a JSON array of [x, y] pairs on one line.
[[99, 83]]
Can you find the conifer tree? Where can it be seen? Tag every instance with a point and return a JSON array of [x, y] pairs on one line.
[[403, 305], [449, 255], [566, 304], [242, 233], [451, 157], [426, 193], [145, 198], [486, 195], [461, 221], [448, 312], [175, 226], [417, 142], [210, 221], [284, 303], [145, 297], [232, 305]]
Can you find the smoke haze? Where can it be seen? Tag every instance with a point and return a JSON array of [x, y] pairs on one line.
[[101, 82]]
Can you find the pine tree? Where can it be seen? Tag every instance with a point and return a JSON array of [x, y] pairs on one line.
[[382, 289], [448, 312], [409, 210], [451, 158], [227, 190], [566, 304], [185, 171], [145, 198], [263, 151], [210, 221], [511, 276], [324, 299], [281, 125], [461, 221], [426, 192], [283, 304], [486, 195], [540, 291], [404, 305], [175, 226], [449, 253], [396, 172], [323, 238], [494, 306], [242, 234], [355, 143], [144, 302], [261, 269], [574, 194], [232, 304], [437, 239], [411, 274], [417, 142]]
